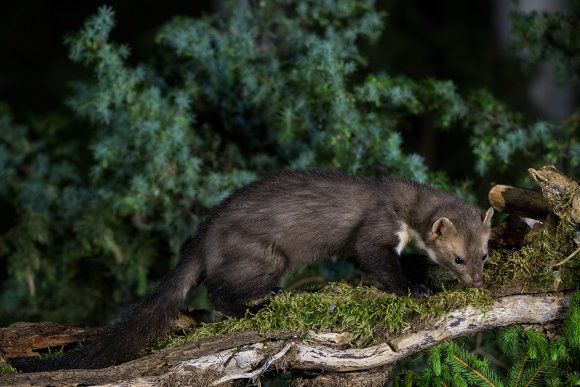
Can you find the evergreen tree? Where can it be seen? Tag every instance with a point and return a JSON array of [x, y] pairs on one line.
[[103, 202], [537, 361]]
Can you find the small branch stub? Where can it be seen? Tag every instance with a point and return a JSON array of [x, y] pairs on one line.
[[519, 201]]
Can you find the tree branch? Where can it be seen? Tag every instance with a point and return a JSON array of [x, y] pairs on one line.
[[524, 202], [249, 355]]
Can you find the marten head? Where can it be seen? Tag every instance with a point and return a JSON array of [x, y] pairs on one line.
[[461, 246]]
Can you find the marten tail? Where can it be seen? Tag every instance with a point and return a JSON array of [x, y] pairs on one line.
[[137, 327]]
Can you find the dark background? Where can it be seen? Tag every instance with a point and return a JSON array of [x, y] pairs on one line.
[[446, 39]]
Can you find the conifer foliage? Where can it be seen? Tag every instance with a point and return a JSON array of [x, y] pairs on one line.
[[537, 361], [231, 96], [104, 199]]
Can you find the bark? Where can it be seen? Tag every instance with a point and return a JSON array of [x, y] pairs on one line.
[[220, 360], [557, 189], [524, 202], [533, 204], [23, 339]]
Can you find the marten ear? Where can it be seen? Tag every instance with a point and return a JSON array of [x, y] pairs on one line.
[[487, 218], [442, 226]]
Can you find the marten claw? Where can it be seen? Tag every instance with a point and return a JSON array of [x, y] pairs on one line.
[[421, 291]]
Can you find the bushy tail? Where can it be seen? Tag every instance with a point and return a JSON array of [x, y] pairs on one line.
[[137, 327]]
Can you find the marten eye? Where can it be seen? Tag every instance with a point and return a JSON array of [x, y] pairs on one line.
[[485, 257], [459, 261]]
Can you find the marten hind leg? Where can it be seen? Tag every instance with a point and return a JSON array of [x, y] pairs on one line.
[[252, 271]]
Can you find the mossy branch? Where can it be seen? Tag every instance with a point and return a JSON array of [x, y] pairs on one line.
[[243, 353]]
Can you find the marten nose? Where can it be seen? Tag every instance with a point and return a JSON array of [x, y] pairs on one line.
[[478, 284]]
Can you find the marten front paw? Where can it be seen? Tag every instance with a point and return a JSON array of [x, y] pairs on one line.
[[421, 291]]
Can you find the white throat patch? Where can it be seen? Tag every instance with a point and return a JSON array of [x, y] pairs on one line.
[[407, 235]]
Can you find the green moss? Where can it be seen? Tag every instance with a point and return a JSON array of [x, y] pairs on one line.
[[7, 369], [52, 353], [532, 266], [363, 311]]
